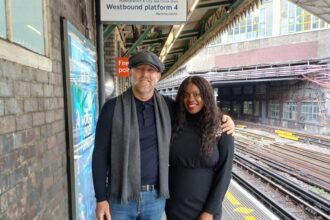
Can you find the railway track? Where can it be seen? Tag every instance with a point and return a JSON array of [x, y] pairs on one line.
[[283, 164], [314, 139], [271, 204], [319, 140], [307, 165], [315, 206]]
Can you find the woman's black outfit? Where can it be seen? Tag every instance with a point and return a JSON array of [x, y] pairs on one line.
[[196, 184]]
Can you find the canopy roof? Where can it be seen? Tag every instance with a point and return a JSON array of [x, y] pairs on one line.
[[319, 8], [176, 44]]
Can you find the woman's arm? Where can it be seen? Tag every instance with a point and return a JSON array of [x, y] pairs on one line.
[[223, 174]]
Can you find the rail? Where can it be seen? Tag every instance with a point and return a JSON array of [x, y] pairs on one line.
[[315, 205]]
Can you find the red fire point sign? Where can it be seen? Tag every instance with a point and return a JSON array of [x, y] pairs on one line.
[[122, 66]]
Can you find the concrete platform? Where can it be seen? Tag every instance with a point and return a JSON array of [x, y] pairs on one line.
[[240, 204]]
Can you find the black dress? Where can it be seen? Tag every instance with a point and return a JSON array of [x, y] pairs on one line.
[[197, 185]]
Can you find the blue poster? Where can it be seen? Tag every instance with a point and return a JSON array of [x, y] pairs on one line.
[[84, 111]]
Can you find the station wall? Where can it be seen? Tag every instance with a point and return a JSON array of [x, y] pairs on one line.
[[265, 51], [296, 105]]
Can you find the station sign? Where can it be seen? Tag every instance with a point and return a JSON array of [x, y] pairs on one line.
[[122, 66], [143, 11]]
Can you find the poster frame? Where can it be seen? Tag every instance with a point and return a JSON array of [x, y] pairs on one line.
[[68, 110]]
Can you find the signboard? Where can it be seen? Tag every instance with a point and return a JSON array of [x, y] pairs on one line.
[[144, 11], [122, 66], [81, 93]]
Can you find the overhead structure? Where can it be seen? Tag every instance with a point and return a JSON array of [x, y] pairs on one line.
[[319, 8], [315, 71], [176, 44]]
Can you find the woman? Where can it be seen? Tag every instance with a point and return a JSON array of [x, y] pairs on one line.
[[200, 158]]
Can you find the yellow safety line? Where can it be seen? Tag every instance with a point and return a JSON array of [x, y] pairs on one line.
[[244, 210], [232, 199]]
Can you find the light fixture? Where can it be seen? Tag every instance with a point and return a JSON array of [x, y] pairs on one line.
[[169, 47], [177, 30], [193, 6]]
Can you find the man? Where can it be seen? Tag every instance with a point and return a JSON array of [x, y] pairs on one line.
[[130, 158]]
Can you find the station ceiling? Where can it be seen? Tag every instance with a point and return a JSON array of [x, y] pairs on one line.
[[176, 44]]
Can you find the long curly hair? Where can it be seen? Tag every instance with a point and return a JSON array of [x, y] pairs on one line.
[[210, 114]]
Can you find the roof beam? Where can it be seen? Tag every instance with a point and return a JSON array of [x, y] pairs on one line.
[[175, 51], [139, 41], [214, 5], [108, 30], [189, 33], [156, 40]]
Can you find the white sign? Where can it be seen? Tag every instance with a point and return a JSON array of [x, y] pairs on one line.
[[144, 11]]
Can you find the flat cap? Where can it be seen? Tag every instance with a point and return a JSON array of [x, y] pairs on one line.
[[146, 57]]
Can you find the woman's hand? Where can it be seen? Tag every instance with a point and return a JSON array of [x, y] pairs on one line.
[[227, 125], [205, 216]]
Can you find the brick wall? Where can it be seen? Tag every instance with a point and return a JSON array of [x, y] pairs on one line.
[[33, 179], [279, 54], [33, 158], [272, 50]]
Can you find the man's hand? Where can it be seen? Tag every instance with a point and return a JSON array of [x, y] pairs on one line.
[[103, 211], [227, 125], [205, 216]]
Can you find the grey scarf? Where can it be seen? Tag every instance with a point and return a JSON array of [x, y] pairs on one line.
[[125, 177]]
